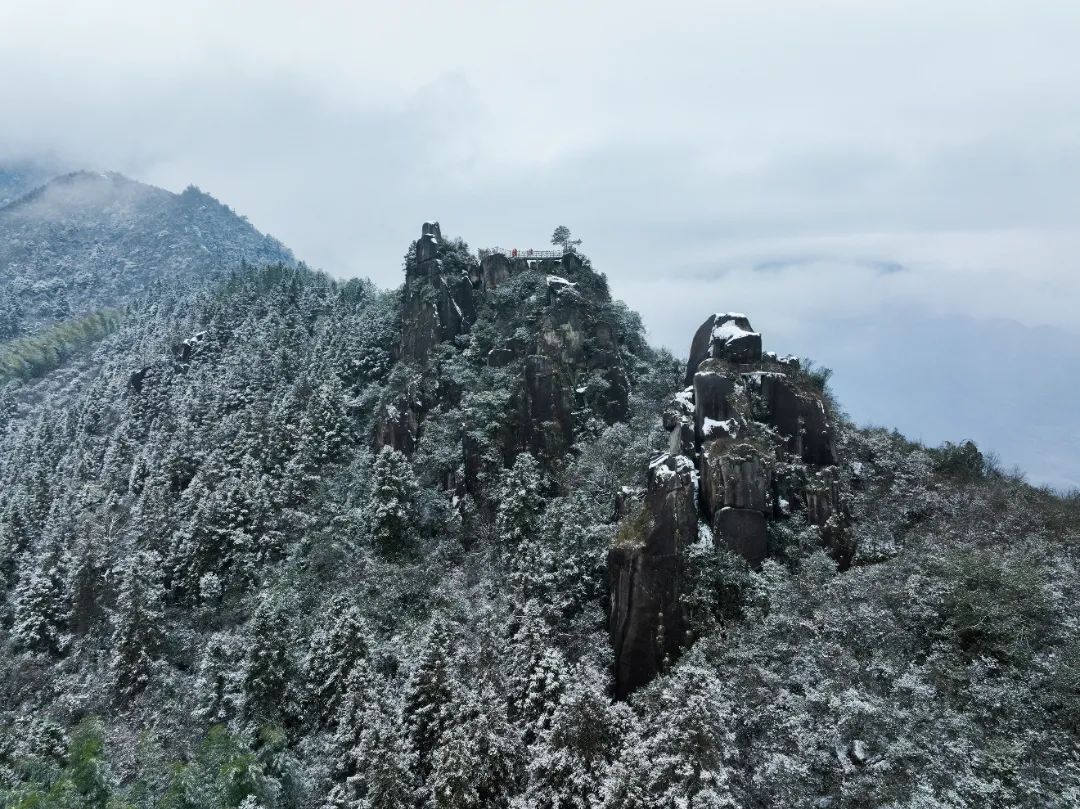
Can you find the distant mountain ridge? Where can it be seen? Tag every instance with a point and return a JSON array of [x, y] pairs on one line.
[[19, 178], [87, 241]]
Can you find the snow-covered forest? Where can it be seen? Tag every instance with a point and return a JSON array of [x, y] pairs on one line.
[[273, 540]]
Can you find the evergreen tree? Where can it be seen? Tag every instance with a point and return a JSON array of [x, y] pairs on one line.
[[14, 540], [138, 629], [219, 687], [88, 570], [269, 670], [377, 767], [537, 674], [689, 753], [40, 616], [521, 501], [392, 515], [562, 238], [476, 760], [570, 762], [428, 692], [339, 644]]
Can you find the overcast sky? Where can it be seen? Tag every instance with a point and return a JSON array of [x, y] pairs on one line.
[[892, 188]]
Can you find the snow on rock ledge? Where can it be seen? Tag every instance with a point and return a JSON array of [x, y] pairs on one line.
[[725, 335]]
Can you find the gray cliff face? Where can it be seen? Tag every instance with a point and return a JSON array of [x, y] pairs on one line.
[[646, 566], [438, 299], [558, 344], [753, 441]]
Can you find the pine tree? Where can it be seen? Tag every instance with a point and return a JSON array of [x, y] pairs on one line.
[[571, 760], [40, 616], [521, 501], [219, 686], [380, 768], [89, 570], [15, 538], [561, 238], [269, 668], [428, 692], [537, 673], [477, 758], [392, 517], [138, 628], [327, 415], [339, 644], [689, 753]]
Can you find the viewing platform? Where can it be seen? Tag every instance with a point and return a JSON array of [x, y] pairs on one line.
[[529, 253]]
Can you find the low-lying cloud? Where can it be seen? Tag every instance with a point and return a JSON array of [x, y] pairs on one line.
[[893, 189]]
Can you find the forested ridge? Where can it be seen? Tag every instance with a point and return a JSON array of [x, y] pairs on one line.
[[274, 540]]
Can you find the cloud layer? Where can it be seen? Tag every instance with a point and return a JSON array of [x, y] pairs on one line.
[[889, 187]]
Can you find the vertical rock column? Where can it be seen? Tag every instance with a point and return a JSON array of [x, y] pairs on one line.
[[750, 440], [419, 314], [646, 569], [438, 303]]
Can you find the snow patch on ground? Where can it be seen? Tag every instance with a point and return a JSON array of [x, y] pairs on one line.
[[686, 398]]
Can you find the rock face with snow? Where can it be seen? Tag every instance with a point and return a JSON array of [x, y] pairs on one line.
[[438, 300], [559, 341], [646, 568], [398, 424], [726, 336], [751, 442]]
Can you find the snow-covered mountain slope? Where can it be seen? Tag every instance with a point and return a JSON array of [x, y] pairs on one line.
[[88, 241]]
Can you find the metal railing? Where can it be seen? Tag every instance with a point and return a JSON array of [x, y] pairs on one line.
[[529, 253]]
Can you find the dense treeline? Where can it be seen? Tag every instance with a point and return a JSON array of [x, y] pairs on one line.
[[216, 594]]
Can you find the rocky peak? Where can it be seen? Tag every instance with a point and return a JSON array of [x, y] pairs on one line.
[[438, 302], [751, 443], [552, 335]]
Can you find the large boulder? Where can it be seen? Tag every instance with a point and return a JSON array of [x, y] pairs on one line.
[[718, 397], [727, 336], [646, 575], [734, 475], [494, 271], [743, 531]]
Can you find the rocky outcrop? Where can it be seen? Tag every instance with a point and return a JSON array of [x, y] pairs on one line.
[[799, 415], [558, 341], [494, 271], [646, 568], [545, 414], [438, 302], [723, 336], [750, 442], [575, 363], [398, 424]]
